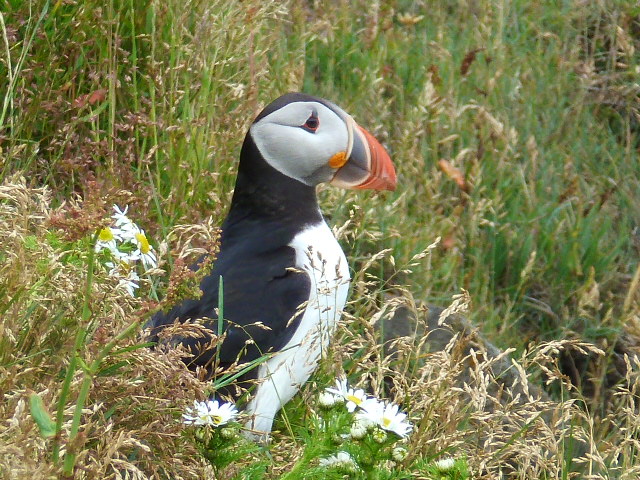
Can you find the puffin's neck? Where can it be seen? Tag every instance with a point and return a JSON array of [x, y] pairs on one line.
[[264, 194]]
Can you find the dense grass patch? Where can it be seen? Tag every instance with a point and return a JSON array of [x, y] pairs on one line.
[[514, 127]]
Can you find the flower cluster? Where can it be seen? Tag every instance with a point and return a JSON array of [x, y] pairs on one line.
[[445, 464], [353, 398], [371, 411], [341, 461], [127, 244], [210, 412]]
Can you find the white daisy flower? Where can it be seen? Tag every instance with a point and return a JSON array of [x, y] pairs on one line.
[[130, 283], [445, 464], [125, 231], [327, 400], [379, 435], [209, 412], [358, 430], [386, 416], [119, 269], [145, 252], [107, 239], [354, 398], [125, 272], [371, 403], [363, 420], [399, 454], [339, 460], [122, 221]]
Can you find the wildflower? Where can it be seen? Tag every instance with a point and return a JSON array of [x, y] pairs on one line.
[[445, 464], [386, 416], [126, 231], [371, 404], [364, 421], [130, 283], [122, 267], [210, 412], [399, 454], [354, 398], [145, 251], [340, 460], [107, 240], [327, 400], [358, 430], [121, 239], [123, 222], [379, 435], [228, 432], [124, 271]]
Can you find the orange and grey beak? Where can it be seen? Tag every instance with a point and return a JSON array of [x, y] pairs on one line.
[[367, 165]]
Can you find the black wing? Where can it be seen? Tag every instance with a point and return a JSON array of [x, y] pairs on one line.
[[263, 296]]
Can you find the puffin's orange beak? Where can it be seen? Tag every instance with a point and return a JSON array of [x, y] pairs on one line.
[[368, 165]]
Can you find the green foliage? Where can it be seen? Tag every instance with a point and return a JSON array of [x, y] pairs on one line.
[[225, 445], [443, 471], [40, 415]]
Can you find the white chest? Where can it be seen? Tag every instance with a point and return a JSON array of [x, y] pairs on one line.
[[320, 256]]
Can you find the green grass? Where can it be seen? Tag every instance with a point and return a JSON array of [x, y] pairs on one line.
[[146, 103]]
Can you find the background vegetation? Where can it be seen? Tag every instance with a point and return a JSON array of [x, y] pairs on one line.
[[514, 127]]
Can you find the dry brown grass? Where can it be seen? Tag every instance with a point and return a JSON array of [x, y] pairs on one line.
[[130, 427], [130, 424], [505, 425]]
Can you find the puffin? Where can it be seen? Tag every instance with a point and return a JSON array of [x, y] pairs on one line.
[[285, 278]]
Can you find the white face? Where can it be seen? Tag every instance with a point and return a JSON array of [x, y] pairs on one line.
[[298, 151]]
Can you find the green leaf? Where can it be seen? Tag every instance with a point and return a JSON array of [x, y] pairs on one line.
[[112, 369], [131, 348], [84, 366], [40, 415]]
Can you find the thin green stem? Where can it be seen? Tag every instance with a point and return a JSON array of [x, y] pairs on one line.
[[64, 393], [69, 460], [113, 73], [90, 370], [81, 335], [8, 98], [70, 457]]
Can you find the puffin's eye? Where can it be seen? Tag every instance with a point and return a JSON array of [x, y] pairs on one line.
[[312, 123]]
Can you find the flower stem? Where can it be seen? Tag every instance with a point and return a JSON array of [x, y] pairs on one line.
[[89, 370], [79, 342]]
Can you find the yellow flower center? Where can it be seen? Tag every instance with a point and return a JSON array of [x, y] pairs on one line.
[[386, 421], [217, 419], [106, 235], [354, 399], [144, 243]]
